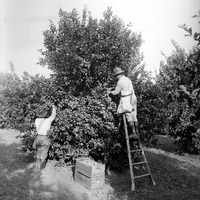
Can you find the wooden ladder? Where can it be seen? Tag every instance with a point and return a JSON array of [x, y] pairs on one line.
[[136, 157]]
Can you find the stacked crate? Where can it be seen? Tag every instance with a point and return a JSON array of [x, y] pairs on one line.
[[89, 173]]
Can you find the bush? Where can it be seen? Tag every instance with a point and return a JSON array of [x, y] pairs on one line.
[[83, 125]]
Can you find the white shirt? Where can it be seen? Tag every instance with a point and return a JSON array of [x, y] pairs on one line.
[[46, 124], [124, 85]]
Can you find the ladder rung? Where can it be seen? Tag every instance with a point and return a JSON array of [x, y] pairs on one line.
[[138, 163], [135, 146], [143, 175], [137, 150]]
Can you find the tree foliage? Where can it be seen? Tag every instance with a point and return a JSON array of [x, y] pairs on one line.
[[179, 80], [82, 51]]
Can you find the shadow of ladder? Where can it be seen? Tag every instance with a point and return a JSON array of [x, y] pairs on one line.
[[133, 151]]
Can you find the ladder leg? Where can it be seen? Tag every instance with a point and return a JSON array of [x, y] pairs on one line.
[[136, 127], [137, 148], [129, 154], [148, 170], [144, 156]]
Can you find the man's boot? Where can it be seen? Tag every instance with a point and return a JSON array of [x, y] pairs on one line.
[[133, 135], [136, 127]]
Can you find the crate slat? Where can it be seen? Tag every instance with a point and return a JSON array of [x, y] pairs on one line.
[[89, 183], [90, 176], [90, 171]]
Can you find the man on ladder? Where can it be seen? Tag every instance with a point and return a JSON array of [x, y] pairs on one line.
[[128, 100], [128, 108]]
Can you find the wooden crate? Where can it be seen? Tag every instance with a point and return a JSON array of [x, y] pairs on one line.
[[90, 176]]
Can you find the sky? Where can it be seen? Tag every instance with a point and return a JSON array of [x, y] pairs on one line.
[[22, 24]]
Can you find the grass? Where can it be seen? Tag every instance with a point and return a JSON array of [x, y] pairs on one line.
[[177, 177], [18, 180]]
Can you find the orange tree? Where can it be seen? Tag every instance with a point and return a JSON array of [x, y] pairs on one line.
[[20, 98], [179, 80], [151, 112], [82, 53]]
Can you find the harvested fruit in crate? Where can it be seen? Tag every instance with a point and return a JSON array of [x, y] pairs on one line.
[[89, 162], [89, 173]]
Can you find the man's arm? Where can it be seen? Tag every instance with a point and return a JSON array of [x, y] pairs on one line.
[[117, 90], [53, 113]]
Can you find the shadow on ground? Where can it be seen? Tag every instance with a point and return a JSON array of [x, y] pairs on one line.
[[166, 143], [177, 177], [20, 181]]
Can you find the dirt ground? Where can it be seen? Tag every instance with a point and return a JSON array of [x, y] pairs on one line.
[[177, 177]]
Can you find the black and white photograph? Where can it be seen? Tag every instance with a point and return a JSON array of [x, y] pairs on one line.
[[99, 100]]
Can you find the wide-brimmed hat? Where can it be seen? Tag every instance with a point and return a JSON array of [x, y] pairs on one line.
[[41, 112], [118, 71]]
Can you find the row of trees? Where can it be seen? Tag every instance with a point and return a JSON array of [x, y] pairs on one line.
[[180, 83], [82, 53]]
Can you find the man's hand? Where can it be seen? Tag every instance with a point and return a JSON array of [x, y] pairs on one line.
[[109, 92], [54, 106]]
